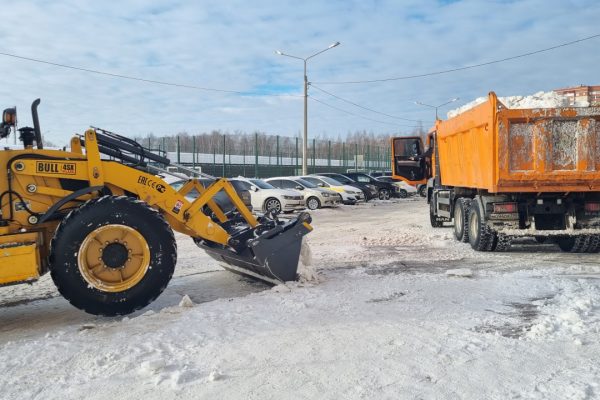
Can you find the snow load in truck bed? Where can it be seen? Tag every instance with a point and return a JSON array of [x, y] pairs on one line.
[[537, 100]]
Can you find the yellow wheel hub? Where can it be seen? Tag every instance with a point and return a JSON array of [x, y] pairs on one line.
[[113, 258]]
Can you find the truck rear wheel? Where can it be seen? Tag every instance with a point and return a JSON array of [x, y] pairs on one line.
[[436, 222], [461, 212], [481, 237], [112, 256], [579, 244]]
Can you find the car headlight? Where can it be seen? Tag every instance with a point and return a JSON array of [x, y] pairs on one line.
[[325, 194], [371, 187], [288, 197]]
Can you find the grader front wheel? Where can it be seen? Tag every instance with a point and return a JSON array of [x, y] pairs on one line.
[[112, 256]]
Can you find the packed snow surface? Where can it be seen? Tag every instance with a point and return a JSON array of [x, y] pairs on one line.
[[390, 309], [537, 100]]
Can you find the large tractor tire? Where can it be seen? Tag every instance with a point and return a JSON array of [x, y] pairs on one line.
[[461, 217], [112, 256], [481, 237]]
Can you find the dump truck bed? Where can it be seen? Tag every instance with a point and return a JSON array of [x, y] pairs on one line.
[[490, 147]]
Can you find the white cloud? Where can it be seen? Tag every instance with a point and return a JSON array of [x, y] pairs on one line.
[[230, 44]]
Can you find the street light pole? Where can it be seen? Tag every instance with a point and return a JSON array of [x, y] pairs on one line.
[[305, 136], [436, 107]]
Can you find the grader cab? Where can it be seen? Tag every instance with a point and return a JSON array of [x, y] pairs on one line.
[[100, 220]]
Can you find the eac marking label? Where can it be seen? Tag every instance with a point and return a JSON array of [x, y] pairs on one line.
[[50, 167], [159, 187]]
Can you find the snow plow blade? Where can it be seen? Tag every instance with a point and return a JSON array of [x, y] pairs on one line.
[[272, 256]]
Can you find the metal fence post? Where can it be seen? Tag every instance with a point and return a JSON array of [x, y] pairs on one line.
[[194, 152], [224, 142], [355, 156], [164, 142], [296, 170], [256, 154], [277, 151], [149, 143], [329, 154], [314, 156], [178, 151], [244, 156]]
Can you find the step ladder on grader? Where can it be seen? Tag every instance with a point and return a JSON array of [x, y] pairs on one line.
[[100, 219]]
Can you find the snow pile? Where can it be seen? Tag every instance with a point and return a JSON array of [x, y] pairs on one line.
[[536, 100], [306, 271], [570, 316], [460, 272], [186, 302]]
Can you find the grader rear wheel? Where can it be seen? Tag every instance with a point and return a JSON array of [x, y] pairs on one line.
[[112, 256]]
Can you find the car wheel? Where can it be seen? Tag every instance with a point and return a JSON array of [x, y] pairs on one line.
[[384, 194], [272, 204], [403, 194], [313, 203]]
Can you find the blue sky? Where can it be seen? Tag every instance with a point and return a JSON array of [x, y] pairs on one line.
[[230, 45]]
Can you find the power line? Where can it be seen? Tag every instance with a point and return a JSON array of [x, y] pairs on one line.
[[135, 78], [363, 107], [463, 68], [360, 116]]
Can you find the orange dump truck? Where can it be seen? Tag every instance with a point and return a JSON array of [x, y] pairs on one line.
[[500, 173]]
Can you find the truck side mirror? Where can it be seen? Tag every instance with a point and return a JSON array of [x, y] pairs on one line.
[[9, 120]]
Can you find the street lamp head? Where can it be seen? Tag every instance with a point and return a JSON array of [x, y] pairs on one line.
[[278, 52], [331, 46], [454, 99]]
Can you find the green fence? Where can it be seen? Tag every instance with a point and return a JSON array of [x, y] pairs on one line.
[[264, 156]]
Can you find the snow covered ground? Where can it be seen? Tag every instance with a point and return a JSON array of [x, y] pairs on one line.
[[401, 311]]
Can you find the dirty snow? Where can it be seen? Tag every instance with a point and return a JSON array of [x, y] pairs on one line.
[[387, 318], [536, 100]]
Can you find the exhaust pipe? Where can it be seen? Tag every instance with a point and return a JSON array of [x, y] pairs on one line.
[[36, 123]]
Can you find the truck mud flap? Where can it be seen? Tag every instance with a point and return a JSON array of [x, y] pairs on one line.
[[271, 257]]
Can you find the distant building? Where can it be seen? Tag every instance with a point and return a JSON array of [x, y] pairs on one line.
[[579, 94]]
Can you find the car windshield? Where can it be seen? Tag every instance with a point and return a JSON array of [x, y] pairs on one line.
[[177, 185], [330, 181], [261, 184], [306, 183], [366, 176], [343, 179]]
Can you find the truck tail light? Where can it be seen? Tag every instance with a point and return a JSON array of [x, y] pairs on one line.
[[592, 207], [505, 207]]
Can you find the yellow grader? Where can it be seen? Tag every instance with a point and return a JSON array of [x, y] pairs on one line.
[[101, 221]]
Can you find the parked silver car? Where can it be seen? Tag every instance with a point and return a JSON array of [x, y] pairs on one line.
[[314, 196]]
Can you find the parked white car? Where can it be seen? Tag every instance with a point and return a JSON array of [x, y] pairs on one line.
[[402, 188], [265, 197], [315, 196], [350, 194]]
